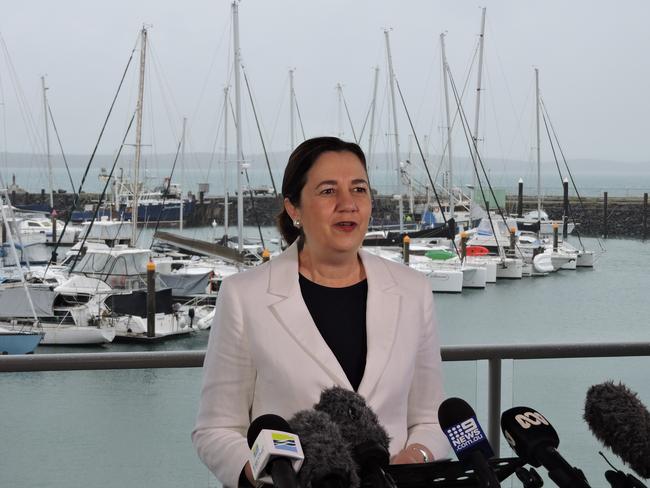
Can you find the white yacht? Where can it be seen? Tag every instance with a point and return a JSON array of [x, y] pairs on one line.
[[111, 283], [443, 277]]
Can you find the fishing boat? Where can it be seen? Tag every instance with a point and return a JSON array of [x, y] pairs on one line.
[[164, 203]]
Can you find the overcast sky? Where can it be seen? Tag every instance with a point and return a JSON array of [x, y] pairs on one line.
[[592, 56]]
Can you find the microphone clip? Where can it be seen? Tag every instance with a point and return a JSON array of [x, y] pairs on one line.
[[529, 478]]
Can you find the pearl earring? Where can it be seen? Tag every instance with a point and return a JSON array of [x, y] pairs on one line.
[[296, 223]]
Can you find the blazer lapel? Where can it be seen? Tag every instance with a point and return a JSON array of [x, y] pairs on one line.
[[382, 312], [294, 316]]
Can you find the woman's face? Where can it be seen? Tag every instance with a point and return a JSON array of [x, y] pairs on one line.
[[335, 204]]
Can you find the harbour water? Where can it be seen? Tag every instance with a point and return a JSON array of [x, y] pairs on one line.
[[131, 428]]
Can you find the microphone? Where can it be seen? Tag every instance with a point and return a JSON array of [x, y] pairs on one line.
[[328, 461], [619, 420], [469, 442], [535, 441], [276, 453], [360, 428]]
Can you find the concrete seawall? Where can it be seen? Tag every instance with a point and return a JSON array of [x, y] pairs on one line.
[[621, 217]]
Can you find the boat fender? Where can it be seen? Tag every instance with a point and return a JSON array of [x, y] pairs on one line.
[[210, 283], [190, 314]]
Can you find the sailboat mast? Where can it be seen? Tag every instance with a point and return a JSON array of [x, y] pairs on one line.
[[238, 126], [391, 74], [138, 139], [339, 109], [450, 180], [182, 172], [478, 101], [47, 143], [539, 175], [225, 165], [292, 103], [372, 114]]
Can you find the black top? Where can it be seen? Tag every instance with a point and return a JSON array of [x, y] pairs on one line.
[[340, 315]]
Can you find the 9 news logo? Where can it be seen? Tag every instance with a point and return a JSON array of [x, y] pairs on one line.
[[465, 434]]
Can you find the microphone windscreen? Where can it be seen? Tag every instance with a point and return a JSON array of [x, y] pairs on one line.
[[358, 423], [268, 421], [328, 460], [359, 426], [618, 419], [453, 411]]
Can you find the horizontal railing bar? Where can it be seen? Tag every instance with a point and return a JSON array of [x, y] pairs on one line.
[[193, 359], [545, 351], [108, 360]]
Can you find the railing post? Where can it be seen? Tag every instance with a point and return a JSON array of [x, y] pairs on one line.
[[494, 405], [645, 216], [605, 232]]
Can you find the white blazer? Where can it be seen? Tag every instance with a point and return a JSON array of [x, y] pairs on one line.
[[265, 355]]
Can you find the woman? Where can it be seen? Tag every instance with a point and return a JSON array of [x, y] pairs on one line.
[[321, 314]]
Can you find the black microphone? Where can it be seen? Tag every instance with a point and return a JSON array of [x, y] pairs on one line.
[[619, 420], [275, 451], [328, 460], [535, 441], [360, 428], [459, 423]]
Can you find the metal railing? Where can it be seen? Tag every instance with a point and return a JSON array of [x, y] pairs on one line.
[[494, 354]]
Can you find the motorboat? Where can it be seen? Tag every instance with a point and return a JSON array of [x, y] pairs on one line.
[[534, 221], [108, 288]]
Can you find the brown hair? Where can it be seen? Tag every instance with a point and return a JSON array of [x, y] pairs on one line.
[[300, 162]]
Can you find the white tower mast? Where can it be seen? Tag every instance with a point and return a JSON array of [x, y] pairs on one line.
[[539, 176], [339, 95], [450, 182], [182, 172], [391, 74], [372, 114], [47, 142], [225, 164], [238, 125], [475, 139], [138, 138], [292, 103]]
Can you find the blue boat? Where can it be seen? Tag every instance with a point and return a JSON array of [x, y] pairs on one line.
[[19, 342]]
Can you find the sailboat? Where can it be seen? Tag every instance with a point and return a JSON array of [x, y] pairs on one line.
[[19, 341], [229, 255]]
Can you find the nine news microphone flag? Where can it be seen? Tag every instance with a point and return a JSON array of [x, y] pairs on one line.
[[469, 442]]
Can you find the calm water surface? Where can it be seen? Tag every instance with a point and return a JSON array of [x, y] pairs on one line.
[[132, 428]]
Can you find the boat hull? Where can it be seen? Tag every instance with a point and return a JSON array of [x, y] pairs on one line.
[[16, 342], [474, 277], [510, 269], [443, 280], [585, 259], [77, 335]]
